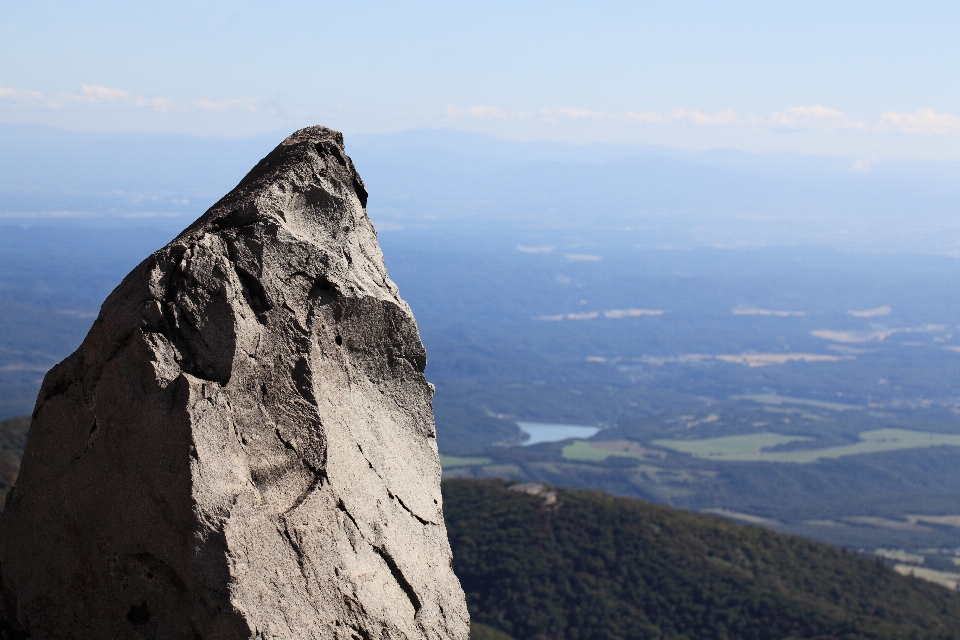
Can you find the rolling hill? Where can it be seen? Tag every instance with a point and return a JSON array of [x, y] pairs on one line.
[[544, 563]]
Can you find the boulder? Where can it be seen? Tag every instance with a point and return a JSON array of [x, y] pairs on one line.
[[243, 446]]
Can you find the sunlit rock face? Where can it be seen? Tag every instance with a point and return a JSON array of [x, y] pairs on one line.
[[243, 446]]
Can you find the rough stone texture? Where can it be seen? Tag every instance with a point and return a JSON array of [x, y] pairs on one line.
[[243, 446]]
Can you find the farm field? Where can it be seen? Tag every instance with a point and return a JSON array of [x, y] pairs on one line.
[[762, 447], [452, 462]]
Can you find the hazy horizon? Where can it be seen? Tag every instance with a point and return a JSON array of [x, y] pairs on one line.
[[428, 178], [860, 79]]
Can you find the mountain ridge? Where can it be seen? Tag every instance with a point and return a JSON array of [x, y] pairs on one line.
[[538, 562]]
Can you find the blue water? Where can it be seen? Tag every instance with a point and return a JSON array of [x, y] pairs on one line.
[[540, 432]]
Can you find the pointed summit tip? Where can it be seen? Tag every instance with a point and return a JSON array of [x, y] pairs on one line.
[[311, 162]]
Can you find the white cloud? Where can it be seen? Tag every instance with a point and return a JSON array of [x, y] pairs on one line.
[[6, 92], [696, 117], [643, 117], [555, 115], [100, 92], [479, 112], [922, 121], [157, 104], [815, 117], [486, 112], [221, 106], [93, 95], [580, 113], [864, 165]]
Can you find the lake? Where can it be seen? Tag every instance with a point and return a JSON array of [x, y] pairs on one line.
[[541, 432]]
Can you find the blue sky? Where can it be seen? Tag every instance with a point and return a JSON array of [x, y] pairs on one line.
[[870, 80]]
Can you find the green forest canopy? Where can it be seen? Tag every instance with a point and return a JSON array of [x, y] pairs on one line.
[[576, 564]]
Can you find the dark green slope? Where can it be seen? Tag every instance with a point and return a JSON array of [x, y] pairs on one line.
[[593, 566], [479, 631]]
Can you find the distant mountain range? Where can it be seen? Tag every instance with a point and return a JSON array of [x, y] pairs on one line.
[[707, 198]]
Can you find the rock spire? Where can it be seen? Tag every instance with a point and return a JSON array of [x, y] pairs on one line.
[[243, 446]]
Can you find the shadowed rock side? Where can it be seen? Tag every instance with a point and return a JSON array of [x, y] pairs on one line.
[[243, 446]]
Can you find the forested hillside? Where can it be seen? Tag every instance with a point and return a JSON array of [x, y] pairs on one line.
[[539, 563]]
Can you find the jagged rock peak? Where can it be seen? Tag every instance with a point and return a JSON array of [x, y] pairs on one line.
[[243, 446]]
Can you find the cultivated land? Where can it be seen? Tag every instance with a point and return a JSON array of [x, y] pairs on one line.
[[888, 408], [763, 447]]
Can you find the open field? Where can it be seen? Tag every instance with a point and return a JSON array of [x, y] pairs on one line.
[[948, 579], [943, 521], [610, 313], [748, 359], [742, 517], [757, 447], [451, 462], [874, 336], [766, 359], [752, 447], [870, 313], [774, 399], [601, 450], [752, 311]]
